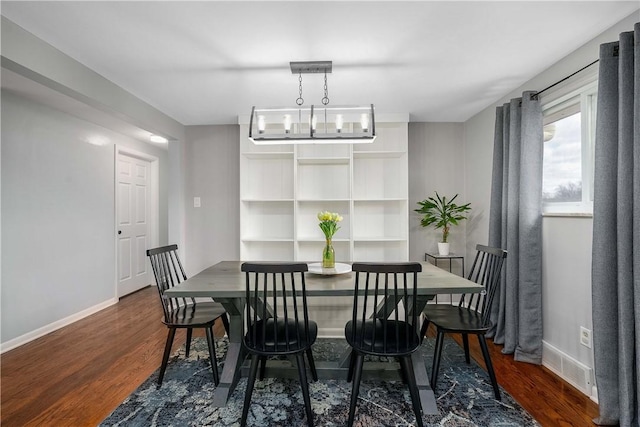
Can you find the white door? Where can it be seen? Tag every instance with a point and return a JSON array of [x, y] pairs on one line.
[[133, 223]]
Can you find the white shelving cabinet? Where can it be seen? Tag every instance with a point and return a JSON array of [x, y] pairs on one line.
[[283, 187]]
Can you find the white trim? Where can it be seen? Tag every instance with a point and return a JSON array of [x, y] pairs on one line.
[[594, 394], [154, 201], [35, 334], [331, 333]]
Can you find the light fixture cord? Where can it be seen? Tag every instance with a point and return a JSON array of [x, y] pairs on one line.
[[325, 100], [300, 100]]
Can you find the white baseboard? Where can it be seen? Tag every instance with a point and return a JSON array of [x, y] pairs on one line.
[[30, 336], [331, 332], [594, 394], [569, 369]]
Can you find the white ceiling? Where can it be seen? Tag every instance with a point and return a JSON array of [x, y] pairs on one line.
[[208, 62]]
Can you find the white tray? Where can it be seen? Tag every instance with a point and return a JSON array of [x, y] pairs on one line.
[[316, 268]]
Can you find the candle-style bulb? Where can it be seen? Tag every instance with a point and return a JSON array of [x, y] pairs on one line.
[[287, 123], [339, 123], [364, 122], [261, 124]]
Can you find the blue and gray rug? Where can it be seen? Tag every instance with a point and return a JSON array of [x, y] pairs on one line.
[[464, 397]]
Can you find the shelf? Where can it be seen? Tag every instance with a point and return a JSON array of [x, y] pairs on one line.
[[379, 239], [320, 240], [268, 155], [372, 200], [282, 189], [378, 154], [322, 200], [323, 160], [261, 239], [252, 200]]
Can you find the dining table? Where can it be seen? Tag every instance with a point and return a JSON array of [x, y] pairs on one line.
[[225, 283]]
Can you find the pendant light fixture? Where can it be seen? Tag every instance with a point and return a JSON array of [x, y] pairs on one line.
[[315, 124]]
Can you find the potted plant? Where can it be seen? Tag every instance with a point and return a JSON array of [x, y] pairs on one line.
[[442, 213]]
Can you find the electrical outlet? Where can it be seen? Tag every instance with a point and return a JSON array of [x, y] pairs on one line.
[[196, 202], [585, 336]]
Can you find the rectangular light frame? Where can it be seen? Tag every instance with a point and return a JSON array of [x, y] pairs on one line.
[[333, 125]]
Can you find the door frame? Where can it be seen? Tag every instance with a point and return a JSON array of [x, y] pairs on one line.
[[154, 203]]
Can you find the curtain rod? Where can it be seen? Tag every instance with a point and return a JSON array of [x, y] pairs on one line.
[[566, 78], [616, 52]]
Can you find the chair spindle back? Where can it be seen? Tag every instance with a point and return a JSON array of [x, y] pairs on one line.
[[486, 271], [379, 288], [168, 272], [276, 299]]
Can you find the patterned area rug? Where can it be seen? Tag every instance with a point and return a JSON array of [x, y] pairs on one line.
[[464, 396]]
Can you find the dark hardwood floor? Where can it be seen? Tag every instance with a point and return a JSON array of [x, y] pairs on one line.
[[77, 375]]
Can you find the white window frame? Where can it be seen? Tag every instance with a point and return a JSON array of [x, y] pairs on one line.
[[586, 99]]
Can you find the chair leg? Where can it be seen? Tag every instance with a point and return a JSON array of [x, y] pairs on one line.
[[407, 367], [352, 361], [304, 384], [188, 344], [355, 389], [312, 365], [247, 394], [465, 344], [212, 355], [436, 359], [403, 372], [487, 361], [263, 367], [225, 322], [167, 352], [423, 329]]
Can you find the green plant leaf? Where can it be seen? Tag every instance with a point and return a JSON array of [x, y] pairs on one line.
[[441, 213]]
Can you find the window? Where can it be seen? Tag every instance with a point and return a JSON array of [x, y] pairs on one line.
[[569, 134]]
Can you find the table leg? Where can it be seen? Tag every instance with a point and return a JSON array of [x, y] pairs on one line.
[[427, 397], [235, 353]]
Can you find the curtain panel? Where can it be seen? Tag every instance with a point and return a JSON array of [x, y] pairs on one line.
[[515, 224], [615, 277]]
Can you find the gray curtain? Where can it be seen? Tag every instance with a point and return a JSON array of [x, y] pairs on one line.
[[615, 274], [515, 224]]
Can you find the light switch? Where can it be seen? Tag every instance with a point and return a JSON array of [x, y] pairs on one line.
[[196, 202]]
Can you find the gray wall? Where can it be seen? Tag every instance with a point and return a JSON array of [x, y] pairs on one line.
[[212, 172], [566, 241], [436, 163], [58, 218], [58, 262]]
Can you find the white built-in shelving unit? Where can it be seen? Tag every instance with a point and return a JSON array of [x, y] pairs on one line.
[[283, 187]]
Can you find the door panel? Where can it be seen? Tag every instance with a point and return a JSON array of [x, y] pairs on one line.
[[124, 259], [133, 223]]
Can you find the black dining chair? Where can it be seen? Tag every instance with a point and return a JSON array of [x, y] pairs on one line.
[[378, 326], [183, 313], [471, 314], [277, 322]]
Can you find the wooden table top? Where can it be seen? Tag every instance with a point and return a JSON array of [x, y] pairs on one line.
[[225, 280]]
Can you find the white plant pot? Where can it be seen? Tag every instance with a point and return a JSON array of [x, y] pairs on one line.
[[443, 248]]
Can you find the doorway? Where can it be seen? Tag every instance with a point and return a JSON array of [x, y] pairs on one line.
[[136, 218]]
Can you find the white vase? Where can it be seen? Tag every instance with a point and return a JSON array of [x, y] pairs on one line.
[[443, 248]]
